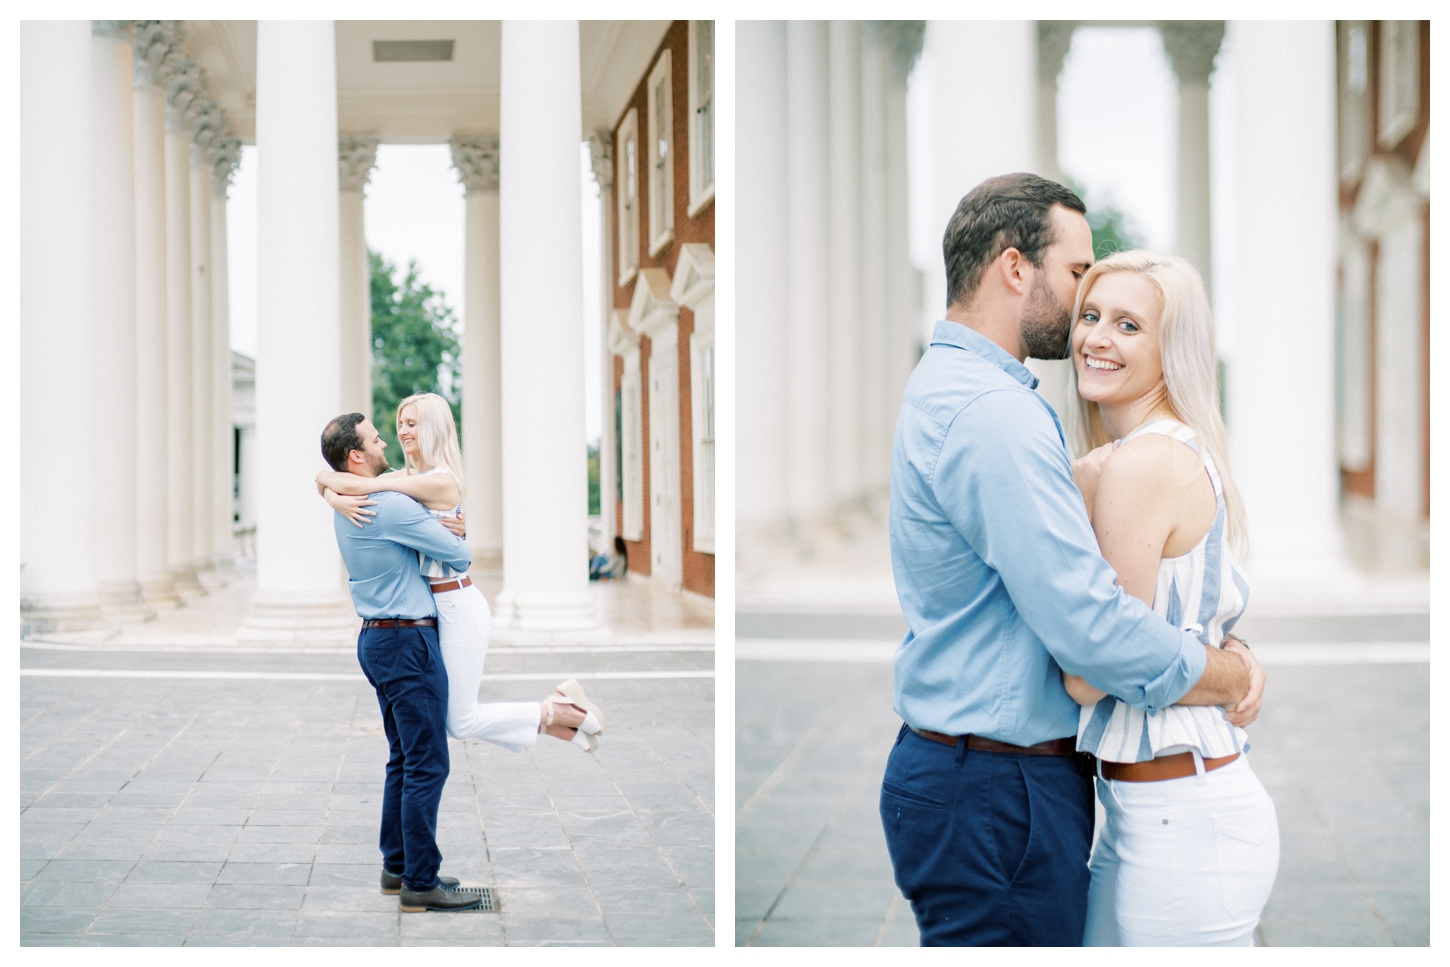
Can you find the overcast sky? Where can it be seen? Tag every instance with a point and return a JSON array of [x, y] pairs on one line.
[[414, 209]]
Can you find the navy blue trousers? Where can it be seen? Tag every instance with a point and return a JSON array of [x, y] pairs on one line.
[[406, 668], [990, 848]]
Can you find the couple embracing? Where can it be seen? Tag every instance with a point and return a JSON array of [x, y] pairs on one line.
[[425, 633], [1070, 619]]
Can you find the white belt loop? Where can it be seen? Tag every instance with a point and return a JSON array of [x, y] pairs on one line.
[[1099, 762], [1198, 765]]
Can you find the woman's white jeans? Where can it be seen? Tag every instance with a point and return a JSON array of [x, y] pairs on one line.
[[1183, 862], [464, 626]]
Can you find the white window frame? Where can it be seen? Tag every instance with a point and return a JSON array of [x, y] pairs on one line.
[[702, 396], [626, 186], [702, 119], [660, 157], [1399, 70], [633, 447], [1354, 141]]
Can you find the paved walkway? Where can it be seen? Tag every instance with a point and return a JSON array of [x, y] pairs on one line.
[[1342, 746], [179, 789]]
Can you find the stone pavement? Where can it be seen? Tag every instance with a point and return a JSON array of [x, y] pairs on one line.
[[1353, 804], [1342, 746], [192, 791]]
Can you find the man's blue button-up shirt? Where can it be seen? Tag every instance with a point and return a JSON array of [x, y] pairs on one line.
[[382, 557], [997, 568]]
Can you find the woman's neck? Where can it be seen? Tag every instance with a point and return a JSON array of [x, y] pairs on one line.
[[420, 465], [1120, 419]]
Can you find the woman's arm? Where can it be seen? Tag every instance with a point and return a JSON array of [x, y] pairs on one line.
[[1082, 693], [436, 491]]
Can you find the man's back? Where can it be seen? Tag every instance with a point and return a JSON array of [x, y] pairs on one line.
[[382, 557]]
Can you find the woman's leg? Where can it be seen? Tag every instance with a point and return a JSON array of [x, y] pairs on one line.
[[464, 626], [1199, 857], [1102, 905]]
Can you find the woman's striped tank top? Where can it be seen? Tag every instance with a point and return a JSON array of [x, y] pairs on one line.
[[436, 570], [1203, 592]]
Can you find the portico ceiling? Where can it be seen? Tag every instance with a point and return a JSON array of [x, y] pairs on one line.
[[419, 102]]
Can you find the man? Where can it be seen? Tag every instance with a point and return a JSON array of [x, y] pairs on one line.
[[398, 652], [987, 808]]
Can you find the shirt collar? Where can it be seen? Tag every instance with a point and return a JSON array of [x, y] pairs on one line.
[[955, 334]]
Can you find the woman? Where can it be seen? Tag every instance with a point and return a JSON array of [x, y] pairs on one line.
[[433, 476], [1190, 848]]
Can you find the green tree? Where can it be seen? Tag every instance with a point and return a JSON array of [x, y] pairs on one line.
[[593, 458], [1109, 224], [415, 346]]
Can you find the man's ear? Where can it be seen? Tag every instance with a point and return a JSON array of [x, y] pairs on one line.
[[1013, 268]]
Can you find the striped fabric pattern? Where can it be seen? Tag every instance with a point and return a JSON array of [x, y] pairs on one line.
[[1203, 592], [433, 570]]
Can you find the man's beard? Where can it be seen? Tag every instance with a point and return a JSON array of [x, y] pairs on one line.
[[1046, 323], [379, 465]]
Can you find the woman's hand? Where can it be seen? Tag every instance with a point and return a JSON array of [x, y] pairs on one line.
[[351, 507], [1085, 472], [1082, 693], [455, 525]]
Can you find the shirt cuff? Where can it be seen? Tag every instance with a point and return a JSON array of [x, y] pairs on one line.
[[1181, 675]]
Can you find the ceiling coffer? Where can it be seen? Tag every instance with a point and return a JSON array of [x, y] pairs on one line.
[[411, 50]]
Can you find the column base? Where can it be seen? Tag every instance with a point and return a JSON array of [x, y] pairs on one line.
[[209, 577], [62, 612], [547, 617], [121, 602], [158, 592], [282, 616], [187, 584]]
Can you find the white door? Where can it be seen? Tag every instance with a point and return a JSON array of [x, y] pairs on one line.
[[664, 463]]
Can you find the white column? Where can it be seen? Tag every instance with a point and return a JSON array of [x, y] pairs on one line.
[[1054, 39], [1283, 359], [202, 332], [299, 590], [181, 89], [903, 308], [114, 248], [760, 206], [542, 305], [476, 159], [356, 159], [878, 411], [223, 441], [1191, 46], [602, 164], [57, 330], [153, 519], [808, 333], [845, 227], [984, 116]]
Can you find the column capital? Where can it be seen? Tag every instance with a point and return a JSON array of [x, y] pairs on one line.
[[1054, 39], [119, 29], [185, 91], [904, 38], [155, 41], [356, 158], [476, 158], [227, 155], [208, 126], [1192, 45], [601, 159]]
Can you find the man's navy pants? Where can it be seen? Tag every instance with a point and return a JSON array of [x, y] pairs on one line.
[[990, 848], [406, 668]]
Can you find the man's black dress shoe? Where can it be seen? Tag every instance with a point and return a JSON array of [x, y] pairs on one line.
[[392, 883], [438, 898]]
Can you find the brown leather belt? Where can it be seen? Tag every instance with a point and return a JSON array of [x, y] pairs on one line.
[[1063, 747], [400, 622], [450, 585], [1175, 766]]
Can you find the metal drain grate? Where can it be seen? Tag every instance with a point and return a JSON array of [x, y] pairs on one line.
[[485, 892]]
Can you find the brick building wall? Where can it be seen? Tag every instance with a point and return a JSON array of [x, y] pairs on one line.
[[697, 568]]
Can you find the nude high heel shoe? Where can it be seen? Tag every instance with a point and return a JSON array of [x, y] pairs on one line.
[[572, 693]]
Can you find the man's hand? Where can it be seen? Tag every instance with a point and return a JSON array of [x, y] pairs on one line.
[[1248, 709], [1086, 470], [455, 525]]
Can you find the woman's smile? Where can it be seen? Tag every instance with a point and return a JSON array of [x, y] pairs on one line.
[[1097, 364]]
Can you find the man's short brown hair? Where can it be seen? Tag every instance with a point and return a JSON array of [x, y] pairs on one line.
[[1008, 211], [340, 438]]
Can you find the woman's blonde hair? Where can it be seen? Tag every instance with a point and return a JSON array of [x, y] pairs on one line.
[[1190, 366], [437, 435]]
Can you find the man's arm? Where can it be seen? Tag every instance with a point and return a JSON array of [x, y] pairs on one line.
[[1004, 480], [404, 521]]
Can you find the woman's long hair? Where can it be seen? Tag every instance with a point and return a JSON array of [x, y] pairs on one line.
[[1190, 366], [437, 436]]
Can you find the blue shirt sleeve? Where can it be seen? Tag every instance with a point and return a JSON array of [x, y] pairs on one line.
[[403, 520], [1004, 480]]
